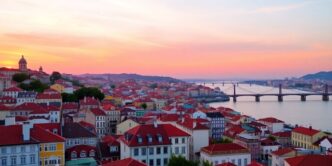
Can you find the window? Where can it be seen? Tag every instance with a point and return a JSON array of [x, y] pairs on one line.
[[114, 149], [176, 140], [158, 162], [136, 152], [149, 138], [83, 154], [52, 147], [3, 150], [143, 151], [73, 154], [165, 161], [13, 149], [92, 153], [32, 148], [23, 160], [4, 161], [45, 147], [233, 161], [183, 140], [151, 162], [151, 151], [165, 150], [183, 150], [13, 160], [139, 139], [158, 150], [245, 161], [239, 162], [176, 150], [32, 159]]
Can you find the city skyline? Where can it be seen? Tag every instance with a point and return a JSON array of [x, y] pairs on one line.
[[235, 39]]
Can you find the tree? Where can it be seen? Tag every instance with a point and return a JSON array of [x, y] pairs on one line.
[[55, 76], [34, 85], [181, 161], [20, 77], [66, 97], [144, 106], [207, 163], [222, 141], [154, 85], [89, 92]]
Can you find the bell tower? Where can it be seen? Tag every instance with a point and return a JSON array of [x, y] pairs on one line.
[[23, 65]]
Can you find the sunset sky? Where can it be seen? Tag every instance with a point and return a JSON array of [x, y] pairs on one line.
[[178, 38]]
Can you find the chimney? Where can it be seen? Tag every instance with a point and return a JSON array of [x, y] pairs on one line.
[[26, 131], [310, 127], [155, 123], [194, 123], [10, 120]]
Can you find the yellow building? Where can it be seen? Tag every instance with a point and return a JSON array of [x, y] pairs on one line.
[[124, 126], [52, 147], [4, 111], [306, 137], [58, 87]]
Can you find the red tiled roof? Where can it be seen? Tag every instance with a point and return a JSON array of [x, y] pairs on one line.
[[255, 163], [282, 151], [45, 136], [305, 131], [190, 124], [4, 108], [169, 118], [98, 112], [226, 164], [125, 162], [79, 148], [173, 131], [310, 160], [271, 120], [20, 118], [69, 106], [49, 126], [110, 140], [13, 135], [224, 148], [13, 89], [143, 131], [48, 96], [287, 134], [29, 107]]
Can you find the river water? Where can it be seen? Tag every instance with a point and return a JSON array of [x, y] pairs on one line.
[[292, 110]]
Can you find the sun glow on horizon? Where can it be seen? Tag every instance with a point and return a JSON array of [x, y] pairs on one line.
[[209, 39]]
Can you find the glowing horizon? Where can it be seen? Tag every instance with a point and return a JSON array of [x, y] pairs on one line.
[[200, 39]]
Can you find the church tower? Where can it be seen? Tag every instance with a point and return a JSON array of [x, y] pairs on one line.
[[41, 69], [23, 65]]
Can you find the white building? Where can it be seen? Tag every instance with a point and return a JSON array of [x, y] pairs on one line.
[[267, 147], [223, 153], [199, 135], [274, 125], [154, 144], [278, 157], [16, 150]]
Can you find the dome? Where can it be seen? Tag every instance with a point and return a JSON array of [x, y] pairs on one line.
[[22, 60]]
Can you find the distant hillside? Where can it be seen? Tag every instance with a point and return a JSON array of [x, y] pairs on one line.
[[320, 75], [124, 76]]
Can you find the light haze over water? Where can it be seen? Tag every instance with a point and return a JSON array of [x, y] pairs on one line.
[[292, 110]]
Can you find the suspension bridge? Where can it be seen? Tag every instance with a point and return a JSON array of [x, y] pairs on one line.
[[280, 95]]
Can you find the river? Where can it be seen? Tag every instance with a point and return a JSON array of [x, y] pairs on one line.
[[292, 110]]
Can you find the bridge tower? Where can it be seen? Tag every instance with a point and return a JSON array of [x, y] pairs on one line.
[[280, 97], [326, 93], [234, 93]]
